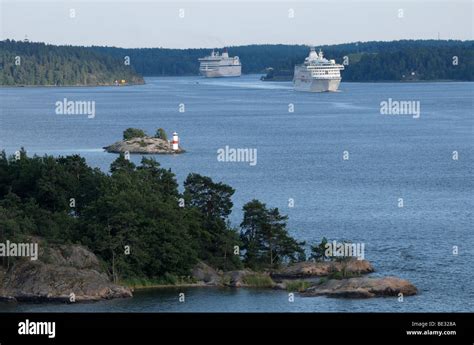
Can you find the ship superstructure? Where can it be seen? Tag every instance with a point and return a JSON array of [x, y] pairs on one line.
[[216, 65], [317, 74]]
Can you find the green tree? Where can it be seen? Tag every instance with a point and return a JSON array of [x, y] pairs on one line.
[[131, 133], [138, 208], [161, 134], [265, 237], [318, 252], [214, 202], [213, 199], [122, 165]]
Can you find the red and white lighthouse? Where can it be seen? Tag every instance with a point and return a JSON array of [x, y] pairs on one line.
[[175, 141]]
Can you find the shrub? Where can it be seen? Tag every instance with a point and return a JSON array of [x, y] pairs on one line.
[[166, 279], [258, 280], [318, 252], [343, 274], [322, 280], [161, 134], [131, 133], [297, 285]]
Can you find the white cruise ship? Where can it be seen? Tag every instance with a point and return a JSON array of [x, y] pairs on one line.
[[215, 65], [317, 74]]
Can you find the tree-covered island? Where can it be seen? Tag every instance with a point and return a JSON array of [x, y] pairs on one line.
[[135, 140], [101, 233]]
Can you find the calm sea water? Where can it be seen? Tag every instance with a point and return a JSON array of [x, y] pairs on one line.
[[299, 156]]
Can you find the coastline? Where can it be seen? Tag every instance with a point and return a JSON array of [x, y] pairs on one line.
[[275, 81], [334, 279], [67, 86], [370, 224]]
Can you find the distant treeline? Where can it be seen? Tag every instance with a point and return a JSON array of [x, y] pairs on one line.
[[367, 61], [42, 64], [25, 63]]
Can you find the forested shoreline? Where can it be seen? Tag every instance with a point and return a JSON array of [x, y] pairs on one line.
[[135, 219], [134, 225], [39, 64], [404, 60]]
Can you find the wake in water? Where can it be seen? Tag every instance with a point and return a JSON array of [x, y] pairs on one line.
[[247, 84]]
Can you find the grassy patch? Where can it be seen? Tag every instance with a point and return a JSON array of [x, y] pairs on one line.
[[297, 285], [167, 279], [225, 280], [258, 280], [343, 275], [322, 280]]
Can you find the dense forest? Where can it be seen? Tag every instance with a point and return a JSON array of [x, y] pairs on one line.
[[25, 63], [367, 61], [137, 208], [406, 60]]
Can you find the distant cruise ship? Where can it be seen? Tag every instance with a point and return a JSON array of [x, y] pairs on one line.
[[317, 74], [215, 65]]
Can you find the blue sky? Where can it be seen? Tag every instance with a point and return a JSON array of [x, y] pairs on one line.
[[212, 23]]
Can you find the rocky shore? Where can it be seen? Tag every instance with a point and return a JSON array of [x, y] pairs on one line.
[[71, 273], [362, 287], [309, 269], [61, 274], [143, 145], [311, 279]]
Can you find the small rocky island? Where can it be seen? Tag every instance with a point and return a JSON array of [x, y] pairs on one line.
[[137, 141], [311, 279], [80, 252]]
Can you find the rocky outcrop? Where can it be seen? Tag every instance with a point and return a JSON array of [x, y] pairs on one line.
[[205, 274], [62, 273], [236, 278], [144, 145], [248, 278], [362, 288], [309, 269]]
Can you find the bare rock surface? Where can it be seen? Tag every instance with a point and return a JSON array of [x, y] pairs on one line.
[[144, 145], [59, 273], [308, 269], [204, 273], [363, 287], [236, 278]]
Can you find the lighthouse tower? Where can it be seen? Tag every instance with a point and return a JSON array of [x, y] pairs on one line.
[[175, 142]]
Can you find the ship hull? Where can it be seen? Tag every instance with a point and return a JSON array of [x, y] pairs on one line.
[[222, 72], [317, 85]]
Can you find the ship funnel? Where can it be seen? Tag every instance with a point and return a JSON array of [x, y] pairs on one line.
[[225, 53], [312, 54]]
